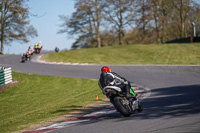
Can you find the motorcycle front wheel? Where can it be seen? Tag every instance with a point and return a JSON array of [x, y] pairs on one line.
[[123, 109]]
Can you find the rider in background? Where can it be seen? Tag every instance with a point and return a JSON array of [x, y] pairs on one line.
[[56, 49], [30, 48], [36, 46], [40, 45], [28, 54]]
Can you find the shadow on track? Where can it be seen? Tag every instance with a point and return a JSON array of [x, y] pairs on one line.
[[169, 102], [173, 102]]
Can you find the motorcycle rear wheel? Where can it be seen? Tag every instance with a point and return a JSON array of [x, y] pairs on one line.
[[118, 103]]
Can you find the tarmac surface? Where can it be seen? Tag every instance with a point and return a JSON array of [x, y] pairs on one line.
[[172, 106]]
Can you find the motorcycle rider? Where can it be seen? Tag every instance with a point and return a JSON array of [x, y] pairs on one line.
[[40, 45], [108, 78], [56, 49], [36, 46], [30, 48]]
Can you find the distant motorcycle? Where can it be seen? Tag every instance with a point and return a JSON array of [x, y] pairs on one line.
[[26, 56], [23, 58], [37, 50], [57, 49], [122, 104]]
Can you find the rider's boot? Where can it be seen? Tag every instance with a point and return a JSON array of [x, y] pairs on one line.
[[140, 108], [137, 106]]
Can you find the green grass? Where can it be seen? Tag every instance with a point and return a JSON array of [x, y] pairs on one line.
[[39, 98], [132, 54]]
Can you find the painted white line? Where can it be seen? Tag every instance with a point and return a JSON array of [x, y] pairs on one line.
[[61, 125]]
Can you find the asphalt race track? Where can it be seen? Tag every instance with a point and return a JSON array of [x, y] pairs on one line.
[[173, 106]]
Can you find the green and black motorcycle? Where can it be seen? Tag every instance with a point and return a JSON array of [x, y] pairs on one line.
[[123, 105]]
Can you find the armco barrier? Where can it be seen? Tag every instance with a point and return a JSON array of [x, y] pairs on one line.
[[5, 75]]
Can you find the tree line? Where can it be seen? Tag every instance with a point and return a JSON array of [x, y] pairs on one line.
[[97, 23]]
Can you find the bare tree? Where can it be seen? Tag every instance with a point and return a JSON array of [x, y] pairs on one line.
[[97, 18], [142, 14], [182, 9], [14, 22], [165, 11], [154, 11], [159, 12], [119, 13], [84, 22]]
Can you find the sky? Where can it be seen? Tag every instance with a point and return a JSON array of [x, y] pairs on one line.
[[47, 25]]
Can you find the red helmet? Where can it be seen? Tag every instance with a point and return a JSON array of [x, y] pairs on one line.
[[105, 69]]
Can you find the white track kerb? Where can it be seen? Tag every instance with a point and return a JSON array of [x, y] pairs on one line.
[[38, 60], [5, 75]]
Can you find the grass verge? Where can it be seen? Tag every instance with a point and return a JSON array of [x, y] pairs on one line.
[[132, 54], [39, 98]]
